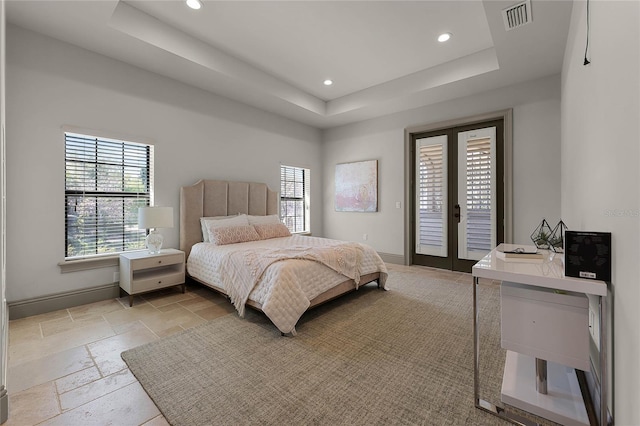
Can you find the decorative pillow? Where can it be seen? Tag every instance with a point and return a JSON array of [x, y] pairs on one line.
[[272, 230], [221, 221], [232, 235], [259, 220]]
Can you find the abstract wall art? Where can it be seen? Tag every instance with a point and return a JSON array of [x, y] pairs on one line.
[[357, 186]]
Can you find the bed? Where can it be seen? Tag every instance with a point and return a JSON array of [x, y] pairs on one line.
[[279, 274]]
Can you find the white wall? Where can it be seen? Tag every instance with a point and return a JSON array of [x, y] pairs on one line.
[[196, 134], [536, 161], [600, 166]]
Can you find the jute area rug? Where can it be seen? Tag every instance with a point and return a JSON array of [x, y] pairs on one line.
[[402, 356]]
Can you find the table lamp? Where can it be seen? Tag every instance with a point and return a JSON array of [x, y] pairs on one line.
[[153, 218]]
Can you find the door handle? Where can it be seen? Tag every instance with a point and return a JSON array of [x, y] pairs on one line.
[[456, 212]]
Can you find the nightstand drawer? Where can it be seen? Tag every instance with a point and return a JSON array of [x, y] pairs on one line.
[[153, 283], [157, 261], [141, 271]]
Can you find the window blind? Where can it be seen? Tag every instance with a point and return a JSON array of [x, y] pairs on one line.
[[479, 194], [294, 198], [106, 181]]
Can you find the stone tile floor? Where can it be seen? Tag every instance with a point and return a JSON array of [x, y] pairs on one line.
[[65, 366]]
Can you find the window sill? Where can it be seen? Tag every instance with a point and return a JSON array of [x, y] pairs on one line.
[[305, 234], [89, 263]]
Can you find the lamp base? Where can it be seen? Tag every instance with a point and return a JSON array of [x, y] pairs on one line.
[[154, 242]]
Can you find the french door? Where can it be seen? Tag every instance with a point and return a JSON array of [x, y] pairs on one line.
[[458, 195]]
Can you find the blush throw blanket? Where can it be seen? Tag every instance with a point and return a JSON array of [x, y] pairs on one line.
[[242, 270]]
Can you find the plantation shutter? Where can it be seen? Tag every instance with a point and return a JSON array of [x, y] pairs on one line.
[[106, 181], [479, 194], [431, 203]]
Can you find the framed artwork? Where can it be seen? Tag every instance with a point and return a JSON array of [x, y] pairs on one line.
[[357, 186], [588, 255]]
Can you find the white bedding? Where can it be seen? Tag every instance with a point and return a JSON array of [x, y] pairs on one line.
[[286, 287]]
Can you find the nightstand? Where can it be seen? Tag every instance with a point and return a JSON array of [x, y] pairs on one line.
[[141, 272]]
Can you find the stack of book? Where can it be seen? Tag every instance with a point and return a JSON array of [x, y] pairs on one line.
[[519, 253]]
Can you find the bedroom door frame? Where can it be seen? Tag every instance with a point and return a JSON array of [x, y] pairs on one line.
[[507, 117]]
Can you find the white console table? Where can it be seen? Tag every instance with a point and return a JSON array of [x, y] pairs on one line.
[[548, 273]]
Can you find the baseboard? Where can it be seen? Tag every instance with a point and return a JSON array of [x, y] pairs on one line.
[[397, 259], [42, 305]]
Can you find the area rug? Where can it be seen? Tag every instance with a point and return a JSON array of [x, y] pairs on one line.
[[402, 356]]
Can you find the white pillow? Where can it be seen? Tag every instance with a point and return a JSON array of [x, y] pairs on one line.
[[261, 220], [221, 221]]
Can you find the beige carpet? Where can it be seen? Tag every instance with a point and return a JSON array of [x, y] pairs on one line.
[[402, 356]]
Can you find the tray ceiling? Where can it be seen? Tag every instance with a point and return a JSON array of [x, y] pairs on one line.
[[383, 56]]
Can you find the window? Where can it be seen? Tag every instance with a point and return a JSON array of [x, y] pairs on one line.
[[106, 181], [294, 198]]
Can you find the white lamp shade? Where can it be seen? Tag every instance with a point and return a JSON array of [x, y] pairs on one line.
[[155, 217]]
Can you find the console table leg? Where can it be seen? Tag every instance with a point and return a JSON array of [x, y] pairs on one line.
[[476, 343], [480, 403], [541, 376], [603, 363]]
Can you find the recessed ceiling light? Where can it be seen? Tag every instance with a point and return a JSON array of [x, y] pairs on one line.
[[328, 82], [194, 4], [444, 37]]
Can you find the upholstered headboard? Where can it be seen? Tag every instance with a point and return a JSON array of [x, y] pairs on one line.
[[220, 198]]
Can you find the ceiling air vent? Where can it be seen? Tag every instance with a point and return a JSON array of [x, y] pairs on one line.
[[517, 15]]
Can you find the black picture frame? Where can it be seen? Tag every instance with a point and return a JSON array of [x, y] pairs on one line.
[[587, 255]]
